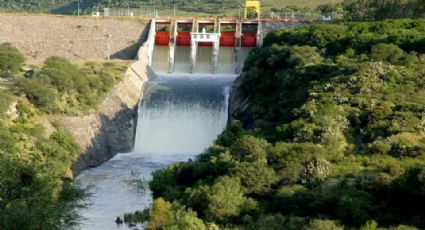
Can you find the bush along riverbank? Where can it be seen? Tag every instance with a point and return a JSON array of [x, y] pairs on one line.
[[333, 137]]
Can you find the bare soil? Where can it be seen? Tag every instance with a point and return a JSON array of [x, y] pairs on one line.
[[76, 38]]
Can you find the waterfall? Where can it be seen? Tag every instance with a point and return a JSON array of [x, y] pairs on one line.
[[181, 115]]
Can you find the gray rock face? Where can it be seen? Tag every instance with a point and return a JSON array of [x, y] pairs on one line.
[[239, 104]]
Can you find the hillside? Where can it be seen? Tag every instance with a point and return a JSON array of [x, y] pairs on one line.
[[209, 7], [38, 36], [332, 137]]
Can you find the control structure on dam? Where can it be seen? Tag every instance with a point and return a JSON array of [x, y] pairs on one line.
[[202, 46]]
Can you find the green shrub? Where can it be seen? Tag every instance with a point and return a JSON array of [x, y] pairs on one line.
[[5, 99], [11, 60], [249, 148], [370, 225], [225, 198], [39, 94], [323, 225], [160, 214], [387, 52], [256, 177], [181, 219]]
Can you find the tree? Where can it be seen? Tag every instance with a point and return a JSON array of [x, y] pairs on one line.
[[250, 148], [160, 214], [256, 177], [225, 198], [181, 219], [304, 56]]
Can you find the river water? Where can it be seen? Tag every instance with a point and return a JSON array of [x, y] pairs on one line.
[[179, 117]]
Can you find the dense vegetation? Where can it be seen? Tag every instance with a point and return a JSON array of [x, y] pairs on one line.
[[35, 189], [62, 87], [360, 10], [34, 192], [335, 138]]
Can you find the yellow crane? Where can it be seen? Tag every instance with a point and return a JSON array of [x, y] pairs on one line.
[[252, 9]]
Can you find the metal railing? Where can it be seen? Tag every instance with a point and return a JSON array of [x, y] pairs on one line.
[[288, 16], [149, 12], [205, 37]]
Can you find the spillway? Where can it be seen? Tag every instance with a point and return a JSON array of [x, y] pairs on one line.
[[226, 60], [243, 55], [182, 59], [179, 117], [160, 59], [204, 60]]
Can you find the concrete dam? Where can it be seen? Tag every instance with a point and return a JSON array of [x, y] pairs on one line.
[[187, 67], [202, 46]]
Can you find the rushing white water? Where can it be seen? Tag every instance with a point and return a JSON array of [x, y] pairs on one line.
[[181, 115], [178, 118]]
